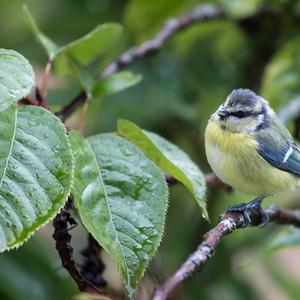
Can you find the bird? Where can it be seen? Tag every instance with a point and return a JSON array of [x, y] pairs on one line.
[[249, 148]]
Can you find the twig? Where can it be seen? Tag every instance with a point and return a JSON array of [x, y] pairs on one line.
[[199, 14], [229, 222], [69, 109], [82, 116], [29, 100], [210, 178], [62, 239], [38, 101], [40, 98]]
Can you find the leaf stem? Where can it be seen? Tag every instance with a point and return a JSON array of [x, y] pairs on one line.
[[45, 79]]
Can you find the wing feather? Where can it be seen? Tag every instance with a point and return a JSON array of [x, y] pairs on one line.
[[286, 158]]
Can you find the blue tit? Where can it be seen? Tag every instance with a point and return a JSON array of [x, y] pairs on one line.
[[250, 149]]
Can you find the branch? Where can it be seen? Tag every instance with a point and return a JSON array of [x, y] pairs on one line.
[[213, 181], [228, 223], [62, 239], [69, 109], [39, 100], [210, 178], [201, 13]]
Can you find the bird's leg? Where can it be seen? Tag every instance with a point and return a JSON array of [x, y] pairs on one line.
[[251, 212]]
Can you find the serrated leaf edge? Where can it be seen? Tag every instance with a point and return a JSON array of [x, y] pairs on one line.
[[51, 214], [189, 187], [109, 209]]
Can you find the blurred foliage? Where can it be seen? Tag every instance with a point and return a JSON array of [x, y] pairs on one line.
[[32, 272], [182, 85]]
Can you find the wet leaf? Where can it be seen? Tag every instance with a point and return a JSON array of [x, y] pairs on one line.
[[36, 171], [169, 158], [122, 200], [16, 77]]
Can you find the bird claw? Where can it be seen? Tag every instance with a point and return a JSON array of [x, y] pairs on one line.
[[261, 219]]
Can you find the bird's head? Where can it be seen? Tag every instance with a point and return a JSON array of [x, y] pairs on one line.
[[243, 111]]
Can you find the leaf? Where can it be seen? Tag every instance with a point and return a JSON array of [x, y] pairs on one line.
[[50, 47], [89, 47], [240, 8], [116, 83], [169, 158], [36, 170], [84, 50], [122, 200], [288, 237], [16, 77], [85, 78]]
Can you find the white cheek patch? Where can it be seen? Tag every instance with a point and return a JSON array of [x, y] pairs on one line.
[[260, 120]]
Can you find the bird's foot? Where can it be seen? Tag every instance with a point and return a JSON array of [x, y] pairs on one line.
[[252, 212]]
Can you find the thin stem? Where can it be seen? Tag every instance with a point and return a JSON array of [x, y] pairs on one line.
[[82, 116], [69, 109], [45, 79], [210, 178]]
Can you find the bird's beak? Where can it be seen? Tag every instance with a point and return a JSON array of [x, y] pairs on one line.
[[223, 113]]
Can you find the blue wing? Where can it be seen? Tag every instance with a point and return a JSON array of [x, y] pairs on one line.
[[286, 157]]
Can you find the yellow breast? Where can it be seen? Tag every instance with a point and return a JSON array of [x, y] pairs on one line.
[[235, 160]]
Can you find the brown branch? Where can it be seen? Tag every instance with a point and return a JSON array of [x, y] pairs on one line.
[[30, 101], [228, 223], [210, 178], [201, 13], [62, 242], [39, 100], [69, 109], [213, 181]]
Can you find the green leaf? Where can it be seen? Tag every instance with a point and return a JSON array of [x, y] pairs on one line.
[[116, 83], [288, 237], [50, 47], [85, 78], [84, 50], [16, 77], [36, 170], [89, 47], [241, 8], [169, 158], [122, 200]]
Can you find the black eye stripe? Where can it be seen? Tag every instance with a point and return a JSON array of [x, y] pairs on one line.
[[244, 114]]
